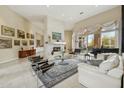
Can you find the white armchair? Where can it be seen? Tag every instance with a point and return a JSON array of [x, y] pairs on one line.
[[90, 76]]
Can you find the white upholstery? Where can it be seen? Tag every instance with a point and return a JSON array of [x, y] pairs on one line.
[[116, 72], [109, 64], [90, 76]]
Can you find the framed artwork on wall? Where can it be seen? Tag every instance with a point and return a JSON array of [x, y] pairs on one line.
[[56, 36], [24, 42], [5, 43], [28, 35], [7, 31], [17, 42], [20, 34], [31, 42], [32, 36]]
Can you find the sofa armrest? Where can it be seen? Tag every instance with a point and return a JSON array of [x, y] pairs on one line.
[[90, 77], [89, 67]]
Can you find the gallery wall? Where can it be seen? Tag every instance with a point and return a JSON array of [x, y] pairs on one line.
[[13, 20]]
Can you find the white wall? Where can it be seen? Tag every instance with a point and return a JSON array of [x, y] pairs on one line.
[[53, 25], [11, 19], [102, 18], [68, 39]]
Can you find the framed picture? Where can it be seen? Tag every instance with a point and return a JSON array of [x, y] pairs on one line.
[[56, 36], [17, 42], [5, 43], [38, 43], [31, 42], [32, 36], [20, 34], [7, 31], [24, 42], [27, 35]]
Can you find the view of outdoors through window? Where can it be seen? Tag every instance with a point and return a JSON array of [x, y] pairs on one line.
[[90, 40], [108, 39]]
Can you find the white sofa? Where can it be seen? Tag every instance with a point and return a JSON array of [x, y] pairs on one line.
[[90, 76]]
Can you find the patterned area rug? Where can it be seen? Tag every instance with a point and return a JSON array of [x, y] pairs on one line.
[[58, 73]]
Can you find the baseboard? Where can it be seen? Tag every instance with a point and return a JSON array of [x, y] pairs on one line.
[[6, 61]]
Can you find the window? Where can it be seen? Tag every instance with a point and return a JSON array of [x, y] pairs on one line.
[[90, 40], [108, 39]]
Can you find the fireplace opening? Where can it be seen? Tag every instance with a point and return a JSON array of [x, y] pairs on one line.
[[56, 49]]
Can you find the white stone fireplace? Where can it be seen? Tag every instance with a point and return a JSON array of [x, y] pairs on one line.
[[58, 45]]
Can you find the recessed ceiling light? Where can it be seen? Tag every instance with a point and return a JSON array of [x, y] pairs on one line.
[[81, 13]]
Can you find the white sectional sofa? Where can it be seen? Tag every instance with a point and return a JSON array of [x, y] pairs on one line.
[[95, 77]]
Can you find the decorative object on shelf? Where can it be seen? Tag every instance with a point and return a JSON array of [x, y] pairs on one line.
[[56, 36], [17, 42], [21, 48], [7, 31], [20, 34], [80, 37], [31, 42], [28, 35], [57, 40], [5, 43], [32, 36], [46, 42], [32, 47], [24, 42]]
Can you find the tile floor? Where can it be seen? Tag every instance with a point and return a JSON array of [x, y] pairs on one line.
[[19, 74]]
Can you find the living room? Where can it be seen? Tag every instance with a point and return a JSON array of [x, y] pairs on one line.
[[46, 46]]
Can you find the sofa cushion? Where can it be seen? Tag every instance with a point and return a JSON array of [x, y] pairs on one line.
[[109, 64], [116, 72]]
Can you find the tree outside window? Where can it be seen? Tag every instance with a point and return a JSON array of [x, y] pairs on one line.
[[108, 39], [90, 41]]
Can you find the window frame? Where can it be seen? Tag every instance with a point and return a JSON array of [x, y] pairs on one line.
[[107, 31]]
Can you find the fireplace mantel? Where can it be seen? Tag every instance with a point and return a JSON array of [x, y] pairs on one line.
[[59, 43]]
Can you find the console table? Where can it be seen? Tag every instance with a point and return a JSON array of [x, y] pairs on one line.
[[26, 53]]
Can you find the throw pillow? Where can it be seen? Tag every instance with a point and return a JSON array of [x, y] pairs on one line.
[[109, 64]]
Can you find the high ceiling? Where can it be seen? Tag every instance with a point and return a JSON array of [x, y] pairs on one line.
[[69, 14]]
